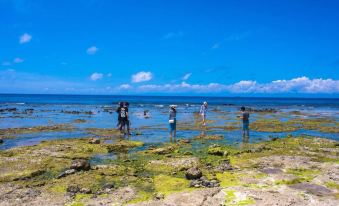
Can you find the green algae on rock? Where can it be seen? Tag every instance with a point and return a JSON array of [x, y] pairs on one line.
[[122, 145], [12, 132], [209, 137], [51, 157], [150, 174], [276, 125], [103, 132]]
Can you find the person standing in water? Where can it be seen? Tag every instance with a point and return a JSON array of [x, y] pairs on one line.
[[123, 117], [203, 111], [245, 122], [173, 121], [128, 123], [119, 118]]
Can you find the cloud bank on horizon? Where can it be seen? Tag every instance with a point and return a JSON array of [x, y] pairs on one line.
[[25, 82], [90, 50]]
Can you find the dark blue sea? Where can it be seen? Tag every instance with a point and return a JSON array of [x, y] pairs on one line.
[[108, 99]]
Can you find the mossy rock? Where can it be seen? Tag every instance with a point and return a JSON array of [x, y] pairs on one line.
[[209, 137], [123, 145], [166, 184], [12, 132], [167, 149], [217, 150]]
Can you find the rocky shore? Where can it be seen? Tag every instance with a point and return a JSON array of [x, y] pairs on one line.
[[286, 171]]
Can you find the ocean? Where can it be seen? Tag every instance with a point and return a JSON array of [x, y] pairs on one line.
[[114, 99], [98, 111]]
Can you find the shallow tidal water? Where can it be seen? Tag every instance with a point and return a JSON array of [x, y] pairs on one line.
[[99, 112]]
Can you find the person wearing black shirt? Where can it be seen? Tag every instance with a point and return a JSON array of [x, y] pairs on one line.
[[123, 117], [119, 119], [128, 123]]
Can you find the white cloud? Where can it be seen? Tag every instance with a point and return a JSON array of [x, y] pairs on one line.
[[296, 85], [186, 76], [183, 87], [125, 86], [96, 76], [142, 77], [92, 50], [231, 38], [171, 35], [238, 36], [18, 60], [215, 46], [25, 38]]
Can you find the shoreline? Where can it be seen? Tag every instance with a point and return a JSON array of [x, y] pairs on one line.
[[247, 175]]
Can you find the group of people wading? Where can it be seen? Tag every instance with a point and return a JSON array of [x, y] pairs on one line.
[[124, 122]]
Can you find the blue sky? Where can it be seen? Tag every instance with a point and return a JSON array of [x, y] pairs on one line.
[[170, 47]]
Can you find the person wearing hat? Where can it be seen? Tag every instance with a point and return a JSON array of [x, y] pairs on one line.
[[203, 111], [173, 121]]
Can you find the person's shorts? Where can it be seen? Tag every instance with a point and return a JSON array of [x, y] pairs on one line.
[[245, 125], [123, 123], [173, 126]]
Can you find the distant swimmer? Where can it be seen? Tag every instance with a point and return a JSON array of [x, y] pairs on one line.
[[146, 114], [203, 111]]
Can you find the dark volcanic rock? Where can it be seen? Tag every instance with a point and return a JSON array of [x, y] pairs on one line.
[[28, 111], [163, 150], [204, 182], [1, 141], [193, 173], [80, 164], [73, 189], [85, 190], [8, 110], [187, 141], [224, 165], [312, 189], [66, 173], [216, 150], [108, 186], [94, 141], [159, 196]]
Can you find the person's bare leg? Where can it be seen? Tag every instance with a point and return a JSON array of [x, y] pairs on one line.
[[248, 133], [128, 128]]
